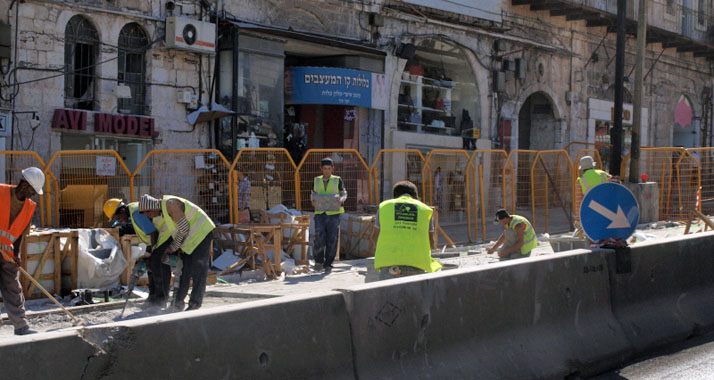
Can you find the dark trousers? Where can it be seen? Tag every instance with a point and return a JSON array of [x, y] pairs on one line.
[[12, 297], [327, 229], [160, 276], [195, 267]]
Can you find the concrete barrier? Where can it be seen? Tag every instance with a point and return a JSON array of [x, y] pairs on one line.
[[669, 293], [541, 317], [287, 337]]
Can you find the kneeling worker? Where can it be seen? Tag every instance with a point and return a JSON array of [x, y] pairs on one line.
[[131, 221], [518, 237], [404, 238], [192, 232]]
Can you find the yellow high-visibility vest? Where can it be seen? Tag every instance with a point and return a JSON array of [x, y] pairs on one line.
[[331, 188], [529, 236], [591, 178], [404, 235], [199, 223]]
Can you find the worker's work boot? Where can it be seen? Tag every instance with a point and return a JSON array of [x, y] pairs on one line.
[[317, 267], [25, 331], [193, 306]]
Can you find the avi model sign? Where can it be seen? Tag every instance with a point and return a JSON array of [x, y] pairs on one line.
[[328, 85]]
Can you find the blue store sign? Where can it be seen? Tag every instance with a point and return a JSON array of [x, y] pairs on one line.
[[609, 210], [327, 85]]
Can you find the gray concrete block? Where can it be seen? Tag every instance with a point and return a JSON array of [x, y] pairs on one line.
[[647, 196], [668, 294], [535, 318]]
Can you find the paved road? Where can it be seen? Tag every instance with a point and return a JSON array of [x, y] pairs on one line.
[[692, 359]]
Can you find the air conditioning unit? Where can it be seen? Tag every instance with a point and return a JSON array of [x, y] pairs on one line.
[[192, 35]]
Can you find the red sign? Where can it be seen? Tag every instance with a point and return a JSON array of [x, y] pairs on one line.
[[105, 123]]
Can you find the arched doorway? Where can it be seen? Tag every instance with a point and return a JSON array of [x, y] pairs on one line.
[[537, 124], [684, 132]]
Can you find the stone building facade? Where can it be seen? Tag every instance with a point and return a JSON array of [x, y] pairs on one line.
[[508, 74]]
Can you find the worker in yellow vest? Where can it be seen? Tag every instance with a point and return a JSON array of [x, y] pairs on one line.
[[131, 221], [590, 176], [16, 209], [192, 231], [404, 234], [518, 238], [328, 197]]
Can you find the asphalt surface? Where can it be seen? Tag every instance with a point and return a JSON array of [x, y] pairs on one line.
[[690, 359]]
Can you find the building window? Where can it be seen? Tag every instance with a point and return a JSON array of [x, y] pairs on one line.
[[131, 68], [670, 7], [701, 12], [80, 56]]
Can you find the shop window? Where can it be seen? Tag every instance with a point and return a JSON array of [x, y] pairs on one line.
[[438, 92], [132, 151], [132, 68], [80, 55]]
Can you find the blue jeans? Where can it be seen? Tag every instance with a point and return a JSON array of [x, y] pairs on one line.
[[327, 229]]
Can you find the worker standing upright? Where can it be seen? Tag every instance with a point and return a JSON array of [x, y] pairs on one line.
[[518, 237], [133, 222], [404, 234], [590, 177], [331, 191], [192, 231], [16, 209]]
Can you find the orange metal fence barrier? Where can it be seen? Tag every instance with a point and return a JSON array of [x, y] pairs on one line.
[[449, 182], [677, 173], [81, 181], [269, 180], [552, 191], [393, 165], [199, 175], [12, 163], [494, 186], [522, 161], [705, 158], [348, 165]]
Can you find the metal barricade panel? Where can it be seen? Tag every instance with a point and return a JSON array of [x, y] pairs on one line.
[[495, 190], [449, 177], [12, 163], [198, 175], [551, 183], [349, 166], [81, 182], [271, 174], [659, 164], [393, 165], [705, 160], [522, 161]]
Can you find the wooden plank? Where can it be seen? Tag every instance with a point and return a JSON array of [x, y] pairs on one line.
[[58, 264], [74, 257], [38, 270]]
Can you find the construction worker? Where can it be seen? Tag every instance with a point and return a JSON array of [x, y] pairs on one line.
[[131, 221], [16, 209], [590, 176], [192, 231], [518, 237], [332, 192], [404, 234]]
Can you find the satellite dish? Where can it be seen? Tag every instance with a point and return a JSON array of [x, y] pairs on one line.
[[189, 34]]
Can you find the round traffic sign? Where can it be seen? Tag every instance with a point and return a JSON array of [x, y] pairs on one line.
[[609, 210]]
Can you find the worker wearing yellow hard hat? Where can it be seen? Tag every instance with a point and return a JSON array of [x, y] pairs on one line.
[[130, 221]]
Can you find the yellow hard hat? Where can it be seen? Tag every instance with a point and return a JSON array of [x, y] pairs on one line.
[[111, 206]]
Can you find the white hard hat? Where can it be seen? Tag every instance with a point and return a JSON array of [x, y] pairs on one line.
[[35, 178], [586, 162]]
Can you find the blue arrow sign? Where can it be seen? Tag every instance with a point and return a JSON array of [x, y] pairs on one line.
[[609, 210]]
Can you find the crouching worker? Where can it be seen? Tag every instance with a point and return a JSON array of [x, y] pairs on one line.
[[518, 238], [404, 238], [131, 221], [192, 231]]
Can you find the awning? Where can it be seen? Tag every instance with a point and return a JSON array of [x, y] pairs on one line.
[[204, 113], [322, 39]]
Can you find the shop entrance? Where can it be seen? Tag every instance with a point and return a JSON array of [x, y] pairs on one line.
[[536, 123]]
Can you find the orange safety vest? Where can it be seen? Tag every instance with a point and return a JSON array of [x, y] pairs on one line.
[[10, 233]]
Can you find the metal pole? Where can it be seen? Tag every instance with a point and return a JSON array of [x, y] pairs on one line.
[[234, 94], [616, 133], [639, 86]]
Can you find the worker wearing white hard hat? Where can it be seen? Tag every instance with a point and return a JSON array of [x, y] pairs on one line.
[[16, 209], [590, 176]]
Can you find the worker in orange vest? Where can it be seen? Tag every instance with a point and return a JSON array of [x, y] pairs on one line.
[[16, 209]]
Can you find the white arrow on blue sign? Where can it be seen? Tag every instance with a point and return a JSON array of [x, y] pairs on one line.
[[609, 210]]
